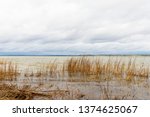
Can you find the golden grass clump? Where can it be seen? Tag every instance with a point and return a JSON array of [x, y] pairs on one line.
[[97, 69], [8, 70], [81, 66], [113, 68], [52, 69]]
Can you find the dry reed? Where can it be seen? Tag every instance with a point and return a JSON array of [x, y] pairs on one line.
[[8, 70], [80, 67], [85, 66], [44, 70]]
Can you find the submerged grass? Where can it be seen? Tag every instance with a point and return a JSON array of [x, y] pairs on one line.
[[106, 93], [84, 67], [43, 70]]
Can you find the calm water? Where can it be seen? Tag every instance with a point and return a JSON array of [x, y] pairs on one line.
[[91, 90], [24, 61]]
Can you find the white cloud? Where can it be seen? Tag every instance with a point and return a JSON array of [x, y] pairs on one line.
[[74, 26]]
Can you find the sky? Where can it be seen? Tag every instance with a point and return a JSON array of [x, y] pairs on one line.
[[74, 27]]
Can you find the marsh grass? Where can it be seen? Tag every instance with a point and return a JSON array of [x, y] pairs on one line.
[[109, 69], [8, 70], [89, 69], [52, 69], [76, 69], [43, 70]]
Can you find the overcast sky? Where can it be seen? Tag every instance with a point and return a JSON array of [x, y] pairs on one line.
[[74, 26]]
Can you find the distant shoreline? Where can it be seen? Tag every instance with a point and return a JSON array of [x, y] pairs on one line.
[[86, 55]]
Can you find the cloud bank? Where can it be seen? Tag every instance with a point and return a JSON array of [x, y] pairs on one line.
[[74, 26]]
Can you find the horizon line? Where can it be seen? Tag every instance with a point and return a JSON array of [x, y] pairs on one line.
[[77, 55]]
